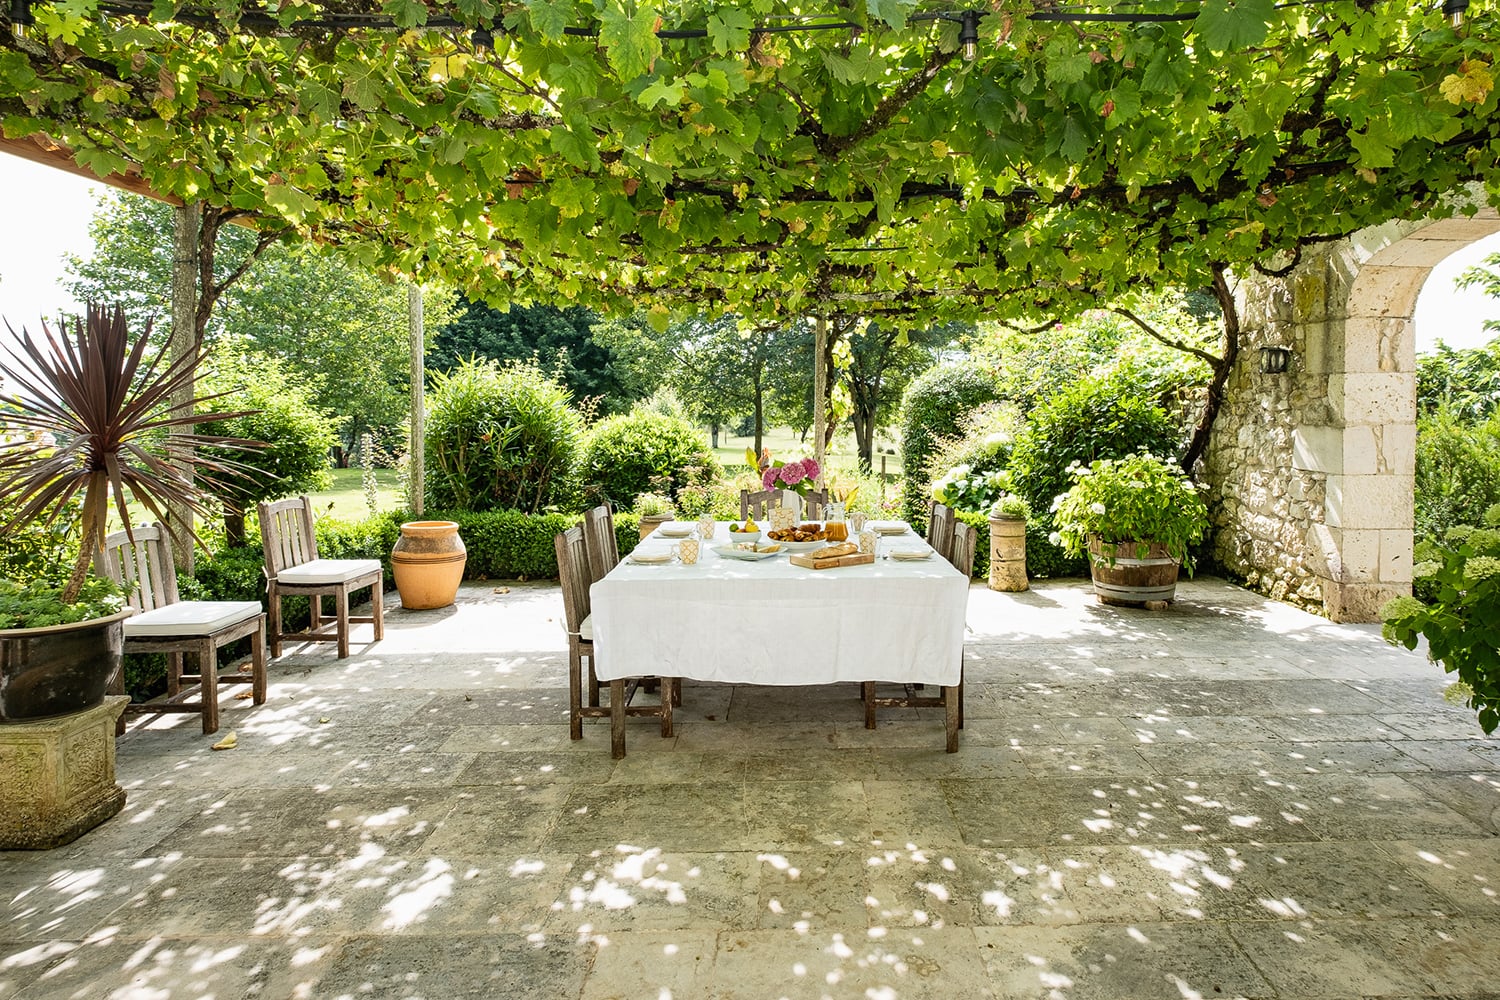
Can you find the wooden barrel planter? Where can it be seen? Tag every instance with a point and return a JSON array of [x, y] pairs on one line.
[[428, 563], [1008, 554], [1135, 578]]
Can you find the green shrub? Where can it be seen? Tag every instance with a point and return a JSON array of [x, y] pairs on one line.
[[1092, 419], [297, 437], [641, 451], [1132, 501], [1457, 617], [933, 408], [500, 436], [1458, 470]]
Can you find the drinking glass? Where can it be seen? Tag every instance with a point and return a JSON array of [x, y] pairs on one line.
[[687, 551]]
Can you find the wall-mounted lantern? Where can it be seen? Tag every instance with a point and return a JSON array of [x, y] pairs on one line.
[[1275, 360]]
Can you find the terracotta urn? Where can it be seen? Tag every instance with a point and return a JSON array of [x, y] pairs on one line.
[[428, 562], [650, 522], [1008, 554]]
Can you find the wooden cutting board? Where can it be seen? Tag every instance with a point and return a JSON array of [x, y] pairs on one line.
[[857, 559]]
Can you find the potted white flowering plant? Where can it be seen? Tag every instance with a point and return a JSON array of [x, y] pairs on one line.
[[1137, 518]]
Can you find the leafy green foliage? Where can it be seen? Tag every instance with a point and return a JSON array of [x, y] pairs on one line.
[[1136, 499], [500, 436], [278, 413], [934, 407], [1458, 470], [1465, 382], [1460, 616], [751, 172], [29, 605], [1089, 420], [1485, 276]]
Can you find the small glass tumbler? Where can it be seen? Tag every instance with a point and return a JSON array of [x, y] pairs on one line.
[[687, 551], [706, 527], [867, 543], [857, 520]]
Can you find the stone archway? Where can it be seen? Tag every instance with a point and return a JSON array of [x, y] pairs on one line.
[[1311, 471]]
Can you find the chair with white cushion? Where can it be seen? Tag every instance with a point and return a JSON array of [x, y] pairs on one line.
[[293, 568], [163, 623]]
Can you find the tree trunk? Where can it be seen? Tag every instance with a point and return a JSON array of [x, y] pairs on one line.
[[863, 419], [713, 435], [187, 221], [1215, 397], [234, 525]]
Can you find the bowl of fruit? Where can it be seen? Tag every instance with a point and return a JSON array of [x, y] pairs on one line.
[[747, 532]]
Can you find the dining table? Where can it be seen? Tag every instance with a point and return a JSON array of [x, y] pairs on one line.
[[732, 618]]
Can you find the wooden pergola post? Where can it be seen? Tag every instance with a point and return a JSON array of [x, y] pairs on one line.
[[820, 387], [187, 220], [416, 452]]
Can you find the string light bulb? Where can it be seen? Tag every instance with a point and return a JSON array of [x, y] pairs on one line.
[[1454, 9], [483, 40], [21, 19], [968, 32]]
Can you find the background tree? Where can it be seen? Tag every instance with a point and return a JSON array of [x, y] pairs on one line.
[[722, 371], [879, 364], [340, 326], [563, 340], [297, 437]]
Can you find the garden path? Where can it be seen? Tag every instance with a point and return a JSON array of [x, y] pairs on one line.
[[1230, 798]]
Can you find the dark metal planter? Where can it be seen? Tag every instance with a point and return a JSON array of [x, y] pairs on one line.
[[59, 669]]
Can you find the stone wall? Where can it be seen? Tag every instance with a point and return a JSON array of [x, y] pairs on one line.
[[1310, 472]]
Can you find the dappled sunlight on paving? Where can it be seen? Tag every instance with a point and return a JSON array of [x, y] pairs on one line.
[[1230, 798]]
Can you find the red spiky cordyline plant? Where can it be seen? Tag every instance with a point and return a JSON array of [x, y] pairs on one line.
[[107, 409]]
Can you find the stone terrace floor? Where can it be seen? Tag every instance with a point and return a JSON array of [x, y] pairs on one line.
[[1230, 798]]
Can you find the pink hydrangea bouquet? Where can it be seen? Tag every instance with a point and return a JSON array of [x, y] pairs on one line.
[[799, 475]]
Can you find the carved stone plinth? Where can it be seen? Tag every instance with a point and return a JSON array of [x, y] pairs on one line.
[[57, 777]]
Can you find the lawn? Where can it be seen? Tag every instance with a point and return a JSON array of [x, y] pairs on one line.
[[347, 494], [784, 440]]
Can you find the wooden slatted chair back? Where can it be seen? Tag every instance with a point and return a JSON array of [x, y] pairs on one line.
[[940, 521], [961, 551], [141, 565], [600, 542], [572, 573], [286, 529], [813, 502], [755, 504]]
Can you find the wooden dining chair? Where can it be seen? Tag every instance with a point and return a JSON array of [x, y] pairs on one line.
[[163, 623], [292, 567], [757, 504], [951, 698], [940, 521], [573, 574]]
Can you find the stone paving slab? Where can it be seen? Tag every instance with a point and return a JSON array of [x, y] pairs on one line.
[[1228, 798]]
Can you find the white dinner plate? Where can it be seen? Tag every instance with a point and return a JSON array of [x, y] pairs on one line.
[[680, 531], [748, 555], [912, 555], [650, 558], [888, 528]]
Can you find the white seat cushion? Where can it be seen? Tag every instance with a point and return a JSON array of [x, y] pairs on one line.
[[190, 618], [328, 571], [586, 629]]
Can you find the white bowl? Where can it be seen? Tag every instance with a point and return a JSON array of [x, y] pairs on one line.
[[744, 536], [801, 546]]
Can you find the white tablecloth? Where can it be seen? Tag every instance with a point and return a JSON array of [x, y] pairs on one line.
[[770, 622]]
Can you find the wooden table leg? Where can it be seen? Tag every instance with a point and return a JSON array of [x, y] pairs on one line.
[[950, 723], [617, 719], [868, 691]]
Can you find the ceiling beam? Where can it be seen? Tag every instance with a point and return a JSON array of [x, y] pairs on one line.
[[40, 149]]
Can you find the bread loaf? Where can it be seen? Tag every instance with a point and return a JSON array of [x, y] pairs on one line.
[[830, 551]]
